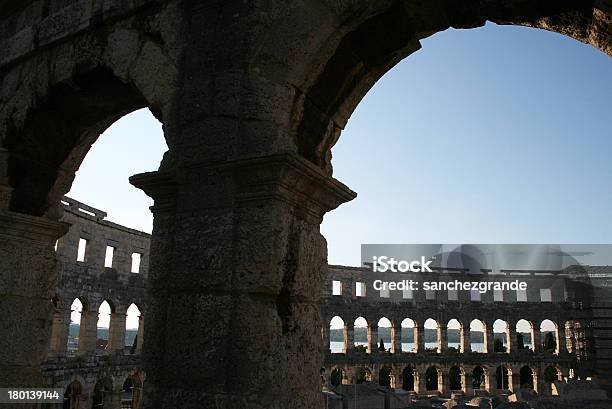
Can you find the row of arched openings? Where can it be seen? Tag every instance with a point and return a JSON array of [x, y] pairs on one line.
[[525, 335], [105, 311], [457, 380], [130, 395]]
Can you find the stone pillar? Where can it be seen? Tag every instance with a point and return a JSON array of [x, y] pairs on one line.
[[326, 335], [512, 337], [469, 382], [419, 344], [28, 279], [116, 336], [561, 340], [396, 335], [88, 332], [489, 337], [349, 339], [421, 382], [59, 332], [141, 326], [236, 271], [537, 342], [373, 339], [443, 338], [514, 379], [466, 339]]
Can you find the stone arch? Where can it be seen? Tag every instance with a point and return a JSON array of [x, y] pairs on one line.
[[385, 342], [354, 60], [363, 375], [479, 378], [454, 335], [549, 337], [77, 308], [526, 378], [501, 336], [524, 335], [101, 396], [456, 378], [409, 335], [131, 391], [337, 376], [409, 378], [337, 344], [433, 378], [72, 395], [133, 322], [385, 377], [478, 343], [106, 311], [502, 378], [432, 331]]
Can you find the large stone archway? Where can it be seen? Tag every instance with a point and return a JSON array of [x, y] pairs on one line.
[[252, 97]]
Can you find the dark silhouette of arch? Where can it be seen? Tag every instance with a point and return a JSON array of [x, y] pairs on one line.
[[526, 377], [502, 378], [408, 379], [384, 377], [454, 379], [431, 379]]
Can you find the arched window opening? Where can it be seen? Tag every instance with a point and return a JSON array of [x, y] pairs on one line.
[[337, 377], [408, 379], [360, 334], [455, 379], [363, 375], [408, 335], [432, 336], [549, 337], [501, 335], [385, 335], [131, 392], [454, 336], [72, 396], [502, 378], [477, 336], [526, 377], [337, 335], [478, 378], [103, 325], [384, 377], [132, 324], [432, 381], [74, 330], [524, 335], [101, 393]]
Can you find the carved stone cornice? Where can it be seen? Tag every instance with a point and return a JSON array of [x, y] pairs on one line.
[[290, 178], [160, 186], [32, 230]]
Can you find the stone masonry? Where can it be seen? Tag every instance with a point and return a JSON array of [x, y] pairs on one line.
[[252, 96]]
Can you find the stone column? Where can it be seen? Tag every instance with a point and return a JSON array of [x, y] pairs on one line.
[[373, 339], [443, 338], [59, 332], [116, 336], [514, 379], [466, 339], [512, 337], [561, 340], [537, 343], [396, 335], [349, 338], [489, 337], [88, 332], [236, 270], [326, 335], [421, 382], [469, 382], [140, 340], [28, 279], [419, 344]]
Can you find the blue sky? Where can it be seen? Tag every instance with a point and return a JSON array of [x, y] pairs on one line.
[[491, 135]]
